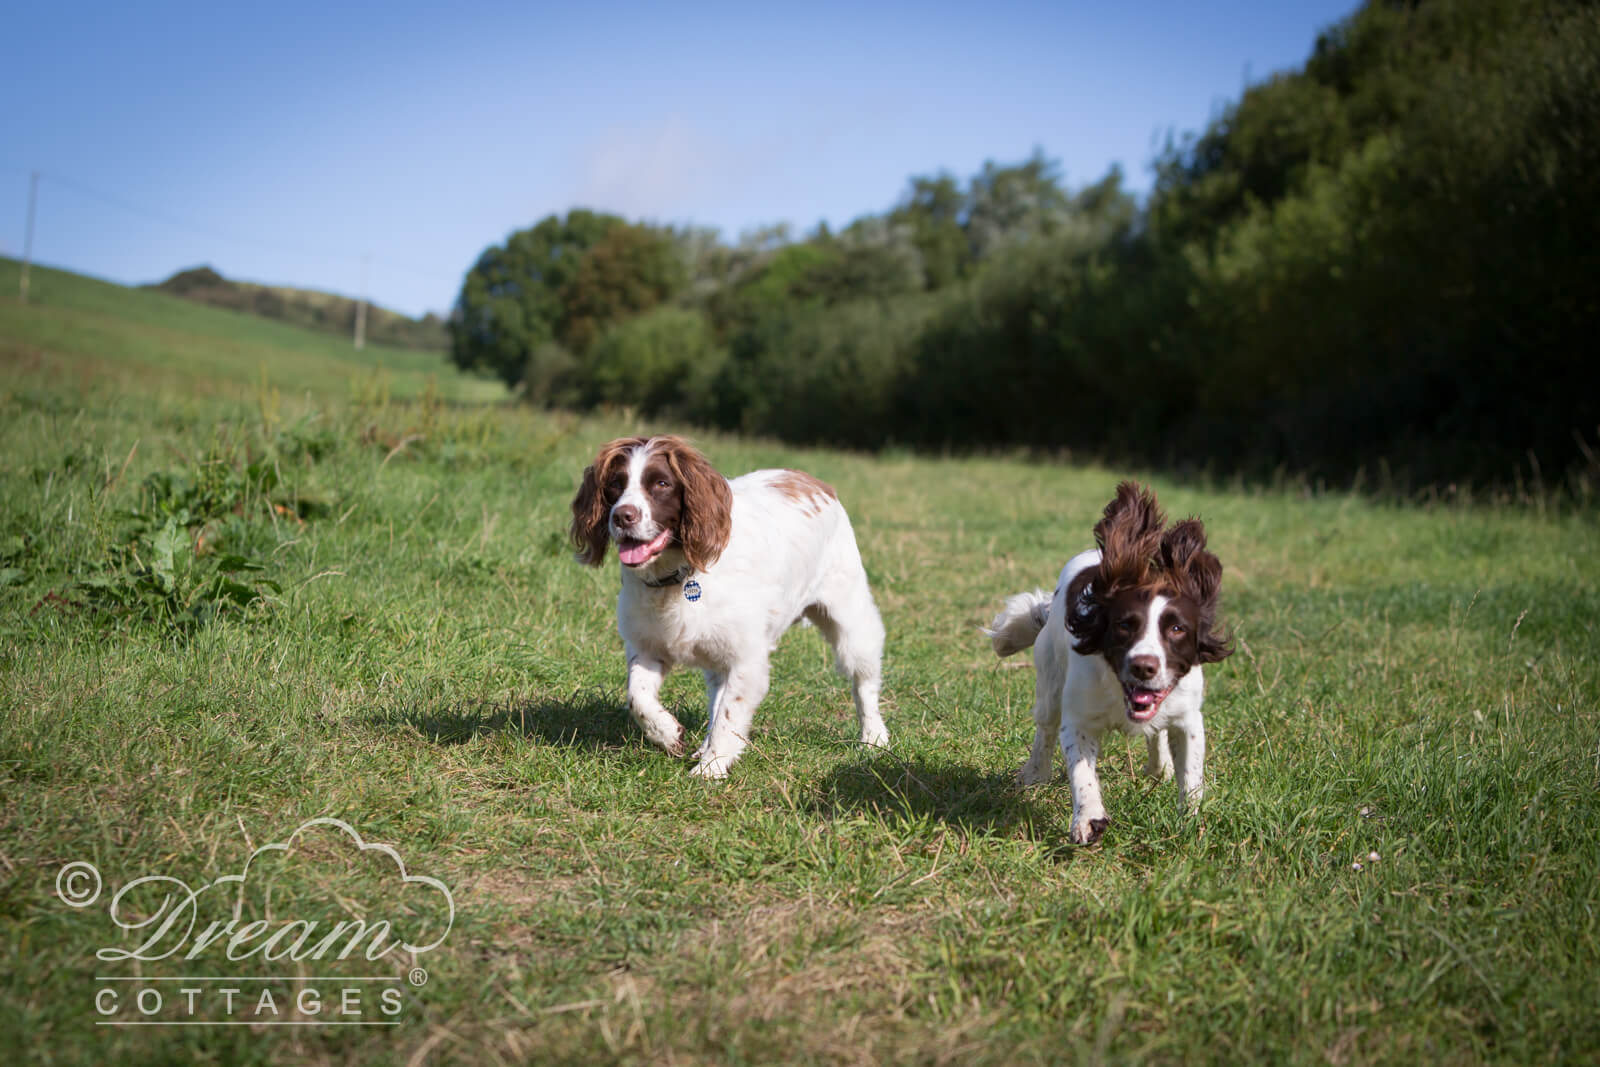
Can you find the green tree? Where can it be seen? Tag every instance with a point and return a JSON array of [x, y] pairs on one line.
[[630, 269], [658, 361], [934, 210], [511, 300], [1393, 249], [873, 258], [1010, 205], [765, 286]]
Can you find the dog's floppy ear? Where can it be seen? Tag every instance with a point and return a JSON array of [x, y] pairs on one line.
[[1197, 573], [1129, 536], [706, 521], [1086, 611], [591, 508]]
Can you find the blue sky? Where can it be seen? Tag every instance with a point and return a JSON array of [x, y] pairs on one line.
[[287, 143]]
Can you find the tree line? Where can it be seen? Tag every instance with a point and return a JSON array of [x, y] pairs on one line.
[[306, 307], [1386, 258]]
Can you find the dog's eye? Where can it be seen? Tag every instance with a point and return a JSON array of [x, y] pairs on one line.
[[1128, 625], [662, 483], [1177, 629]]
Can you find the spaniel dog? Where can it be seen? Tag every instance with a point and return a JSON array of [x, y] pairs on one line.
[[713, 573], [1119, 646]]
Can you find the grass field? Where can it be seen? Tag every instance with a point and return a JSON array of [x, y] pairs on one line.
[[228, 606]]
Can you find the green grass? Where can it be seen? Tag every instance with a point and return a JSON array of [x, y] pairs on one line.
[[434, 669], [160, 340]]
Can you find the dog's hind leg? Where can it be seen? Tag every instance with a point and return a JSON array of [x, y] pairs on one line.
[[715, 684], [1158, 759], [851, 624], [1046, 725], [1049, 678], [1189, 754]]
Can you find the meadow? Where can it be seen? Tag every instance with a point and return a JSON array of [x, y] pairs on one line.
[[250, 578]]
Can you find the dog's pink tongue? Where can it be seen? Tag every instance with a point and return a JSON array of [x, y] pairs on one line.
[[638, 552], [1143, 698]]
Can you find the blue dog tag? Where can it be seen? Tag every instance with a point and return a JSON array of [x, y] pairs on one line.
[[691, 590]]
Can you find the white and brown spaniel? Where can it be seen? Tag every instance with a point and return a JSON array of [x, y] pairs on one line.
[[1119, 647], [713, 573]]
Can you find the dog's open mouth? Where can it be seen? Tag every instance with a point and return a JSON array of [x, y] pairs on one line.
[[635, 553], [1143, 703]]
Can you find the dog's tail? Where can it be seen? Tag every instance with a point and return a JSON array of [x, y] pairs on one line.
[[1019, 622]]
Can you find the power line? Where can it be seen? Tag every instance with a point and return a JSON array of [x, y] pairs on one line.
[[167, 219], [170, 220]]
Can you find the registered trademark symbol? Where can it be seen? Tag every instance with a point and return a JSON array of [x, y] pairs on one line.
[[418, 976]]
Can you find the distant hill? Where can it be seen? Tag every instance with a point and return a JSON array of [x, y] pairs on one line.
[[102, 330], [306, 307]]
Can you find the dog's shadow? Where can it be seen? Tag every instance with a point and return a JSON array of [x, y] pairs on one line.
[[919, 789], [586, 720], [884, 785]]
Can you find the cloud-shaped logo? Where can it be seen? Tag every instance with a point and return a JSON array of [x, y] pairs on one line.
[[164, 913]]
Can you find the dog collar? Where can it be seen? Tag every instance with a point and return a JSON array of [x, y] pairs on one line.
[[674, 578]]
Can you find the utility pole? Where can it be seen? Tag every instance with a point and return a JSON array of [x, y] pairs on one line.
[[361, 308], [27, 241]]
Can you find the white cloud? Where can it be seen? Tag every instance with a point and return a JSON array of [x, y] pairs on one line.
[[650, 171]]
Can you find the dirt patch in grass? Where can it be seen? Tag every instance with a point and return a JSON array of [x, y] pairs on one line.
[[773, 980]]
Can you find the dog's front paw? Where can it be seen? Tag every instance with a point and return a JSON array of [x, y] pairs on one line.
[[711, 767], [661, 730], [1033, 774], [877, 737], [1087, 831]]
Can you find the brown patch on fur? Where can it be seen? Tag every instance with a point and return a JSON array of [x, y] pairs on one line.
[[1129, 536], [662, 487], [1195, 574], [1140, 560], [1086, 613], [805, 490], [1126, 615], [705, 518], [591, 508]]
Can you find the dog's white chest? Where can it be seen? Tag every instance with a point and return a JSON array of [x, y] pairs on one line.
[[677, 622]]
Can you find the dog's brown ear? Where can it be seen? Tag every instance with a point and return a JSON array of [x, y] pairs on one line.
[[1129, 536], [591, 508], [1086, 612], [706, 521], [1197, 574]]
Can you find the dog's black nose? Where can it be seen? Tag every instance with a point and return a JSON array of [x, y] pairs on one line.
[[1143, 667], [625, 514]]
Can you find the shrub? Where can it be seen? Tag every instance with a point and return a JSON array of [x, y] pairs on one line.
[[658, 361]]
